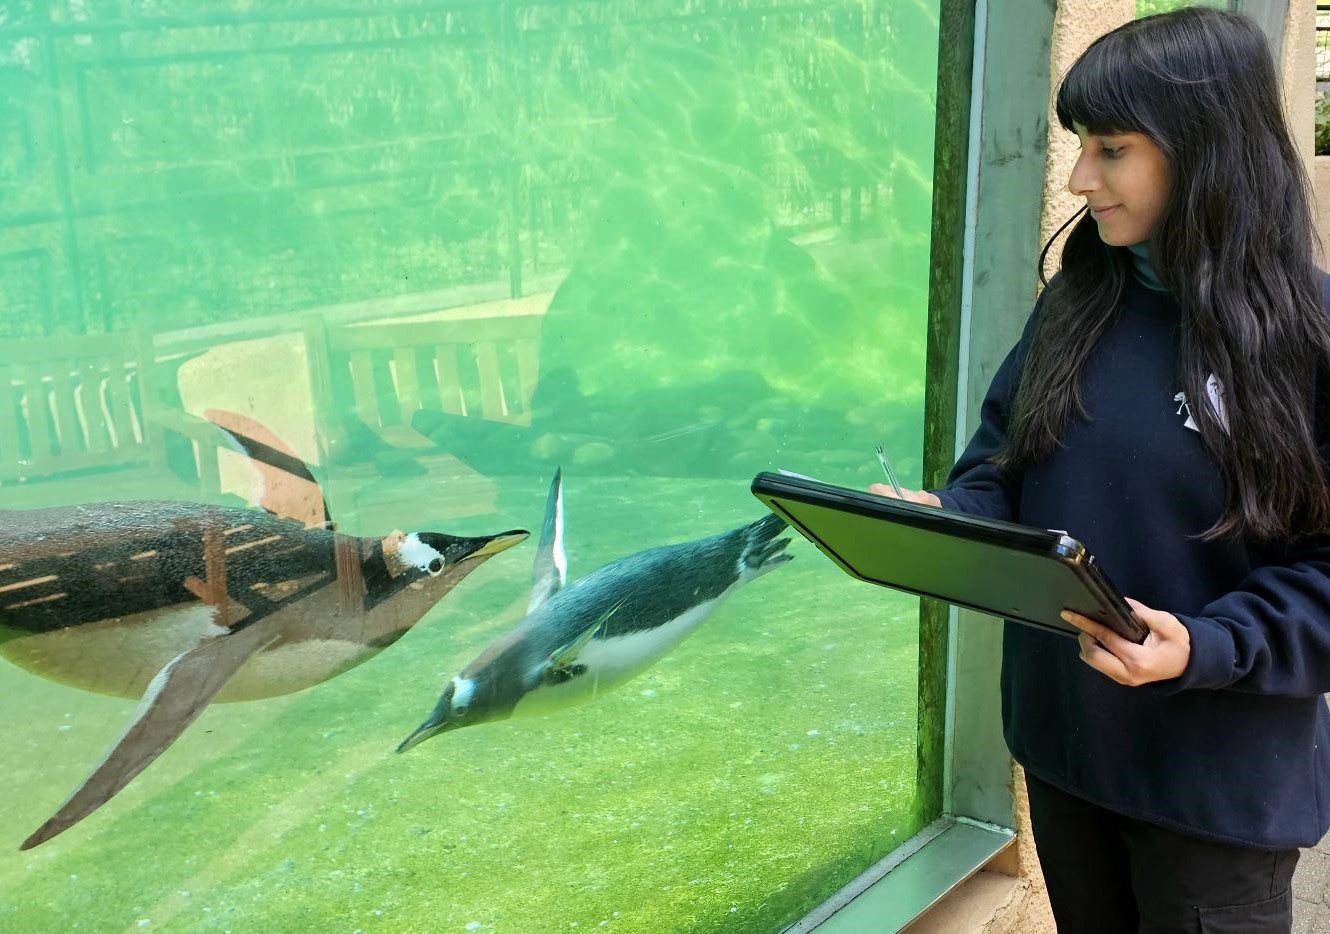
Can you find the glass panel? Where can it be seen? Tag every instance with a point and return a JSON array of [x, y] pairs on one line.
[[414, 259], [1322, 79], [1150, 7]]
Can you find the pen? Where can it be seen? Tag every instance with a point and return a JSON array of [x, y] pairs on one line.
[[891, 474]]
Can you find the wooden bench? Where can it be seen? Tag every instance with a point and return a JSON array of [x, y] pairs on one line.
[[368, 380], [89, 411]]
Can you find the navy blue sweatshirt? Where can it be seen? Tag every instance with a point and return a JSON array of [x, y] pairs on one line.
[[1237, 748]]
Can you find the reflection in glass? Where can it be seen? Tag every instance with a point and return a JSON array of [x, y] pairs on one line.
[[441, 251], [184, 603]]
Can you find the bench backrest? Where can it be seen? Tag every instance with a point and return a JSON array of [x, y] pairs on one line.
[[382, 373], [73, 404]]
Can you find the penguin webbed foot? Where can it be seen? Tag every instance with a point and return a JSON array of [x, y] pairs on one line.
[[763, 550], [770, 555]]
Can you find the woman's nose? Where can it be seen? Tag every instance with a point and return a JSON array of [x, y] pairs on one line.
[[1082, 180]]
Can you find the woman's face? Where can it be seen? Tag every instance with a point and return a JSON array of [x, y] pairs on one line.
[[1125, 181]]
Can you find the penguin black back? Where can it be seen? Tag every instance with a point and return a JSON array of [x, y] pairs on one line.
[[62, 568], [666, 582]]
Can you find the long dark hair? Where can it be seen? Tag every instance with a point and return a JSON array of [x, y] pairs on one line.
[[1234, 246]]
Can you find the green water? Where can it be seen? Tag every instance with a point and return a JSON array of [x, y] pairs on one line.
[[1150, 7], [694, 237]]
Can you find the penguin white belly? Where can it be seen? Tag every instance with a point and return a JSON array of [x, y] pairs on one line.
[[609, 662], [121, 657], [118, 657], [293, 666]]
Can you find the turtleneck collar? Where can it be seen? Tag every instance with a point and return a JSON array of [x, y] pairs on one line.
[[1140, 258]]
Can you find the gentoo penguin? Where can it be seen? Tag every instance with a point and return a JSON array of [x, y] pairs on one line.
[[582, 640], [184, 603]]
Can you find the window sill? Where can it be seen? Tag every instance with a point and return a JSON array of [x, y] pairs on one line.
[[920, 874]]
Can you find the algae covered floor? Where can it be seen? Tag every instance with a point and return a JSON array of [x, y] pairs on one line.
[[754, 770]]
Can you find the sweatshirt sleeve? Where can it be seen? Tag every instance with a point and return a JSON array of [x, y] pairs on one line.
[[976, 485], [1271, 635]]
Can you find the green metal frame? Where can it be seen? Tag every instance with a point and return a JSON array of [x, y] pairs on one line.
[[991, 137], [1270, 15]]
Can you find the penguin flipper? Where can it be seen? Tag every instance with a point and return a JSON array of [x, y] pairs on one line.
[[551, 565], [560, 666], [172, 702], [285, 487]]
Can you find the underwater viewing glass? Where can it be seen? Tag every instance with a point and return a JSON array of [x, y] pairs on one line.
[[391, 375]]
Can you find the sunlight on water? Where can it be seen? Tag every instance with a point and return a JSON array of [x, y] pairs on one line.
[[436, 252]]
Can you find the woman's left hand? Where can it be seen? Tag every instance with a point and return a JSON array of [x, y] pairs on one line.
[[1162, 655]]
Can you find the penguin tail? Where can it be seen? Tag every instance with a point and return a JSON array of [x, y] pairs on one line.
[[762, 550]]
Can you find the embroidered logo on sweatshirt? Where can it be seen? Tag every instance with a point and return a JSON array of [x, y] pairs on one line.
[[1215, 390]]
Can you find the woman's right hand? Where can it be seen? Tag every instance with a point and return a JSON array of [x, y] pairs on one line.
[[922, 497]]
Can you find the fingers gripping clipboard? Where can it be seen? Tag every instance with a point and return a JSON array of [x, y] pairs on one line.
[[1013, 571]]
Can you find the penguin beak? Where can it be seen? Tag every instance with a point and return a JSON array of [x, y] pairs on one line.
[[435, 725], [474, 548], [501, 542]]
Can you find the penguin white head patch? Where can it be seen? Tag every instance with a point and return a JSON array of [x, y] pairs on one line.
[[408, 553], [463, 690]]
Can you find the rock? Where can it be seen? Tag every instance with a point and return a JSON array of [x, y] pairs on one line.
[[751, 462], [843, 458], [592, 453], [865, 415], [750, 441], [547, 447]]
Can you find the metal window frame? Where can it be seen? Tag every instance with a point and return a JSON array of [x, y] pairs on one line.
[[1270, 15], [989, 171]]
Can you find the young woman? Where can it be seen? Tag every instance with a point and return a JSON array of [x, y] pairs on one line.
[[1169, 403]]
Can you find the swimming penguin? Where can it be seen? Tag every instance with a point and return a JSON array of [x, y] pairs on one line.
[[582, 640], [184, 604]]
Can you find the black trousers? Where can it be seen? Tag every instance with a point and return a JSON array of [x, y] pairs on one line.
[[1109, 874]]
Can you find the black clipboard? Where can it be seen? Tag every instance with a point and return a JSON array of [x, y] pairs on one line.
[[1013, 571]]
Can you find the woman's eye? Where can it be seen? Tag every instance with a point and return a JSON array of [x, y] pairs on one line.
[[1111, 153]]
